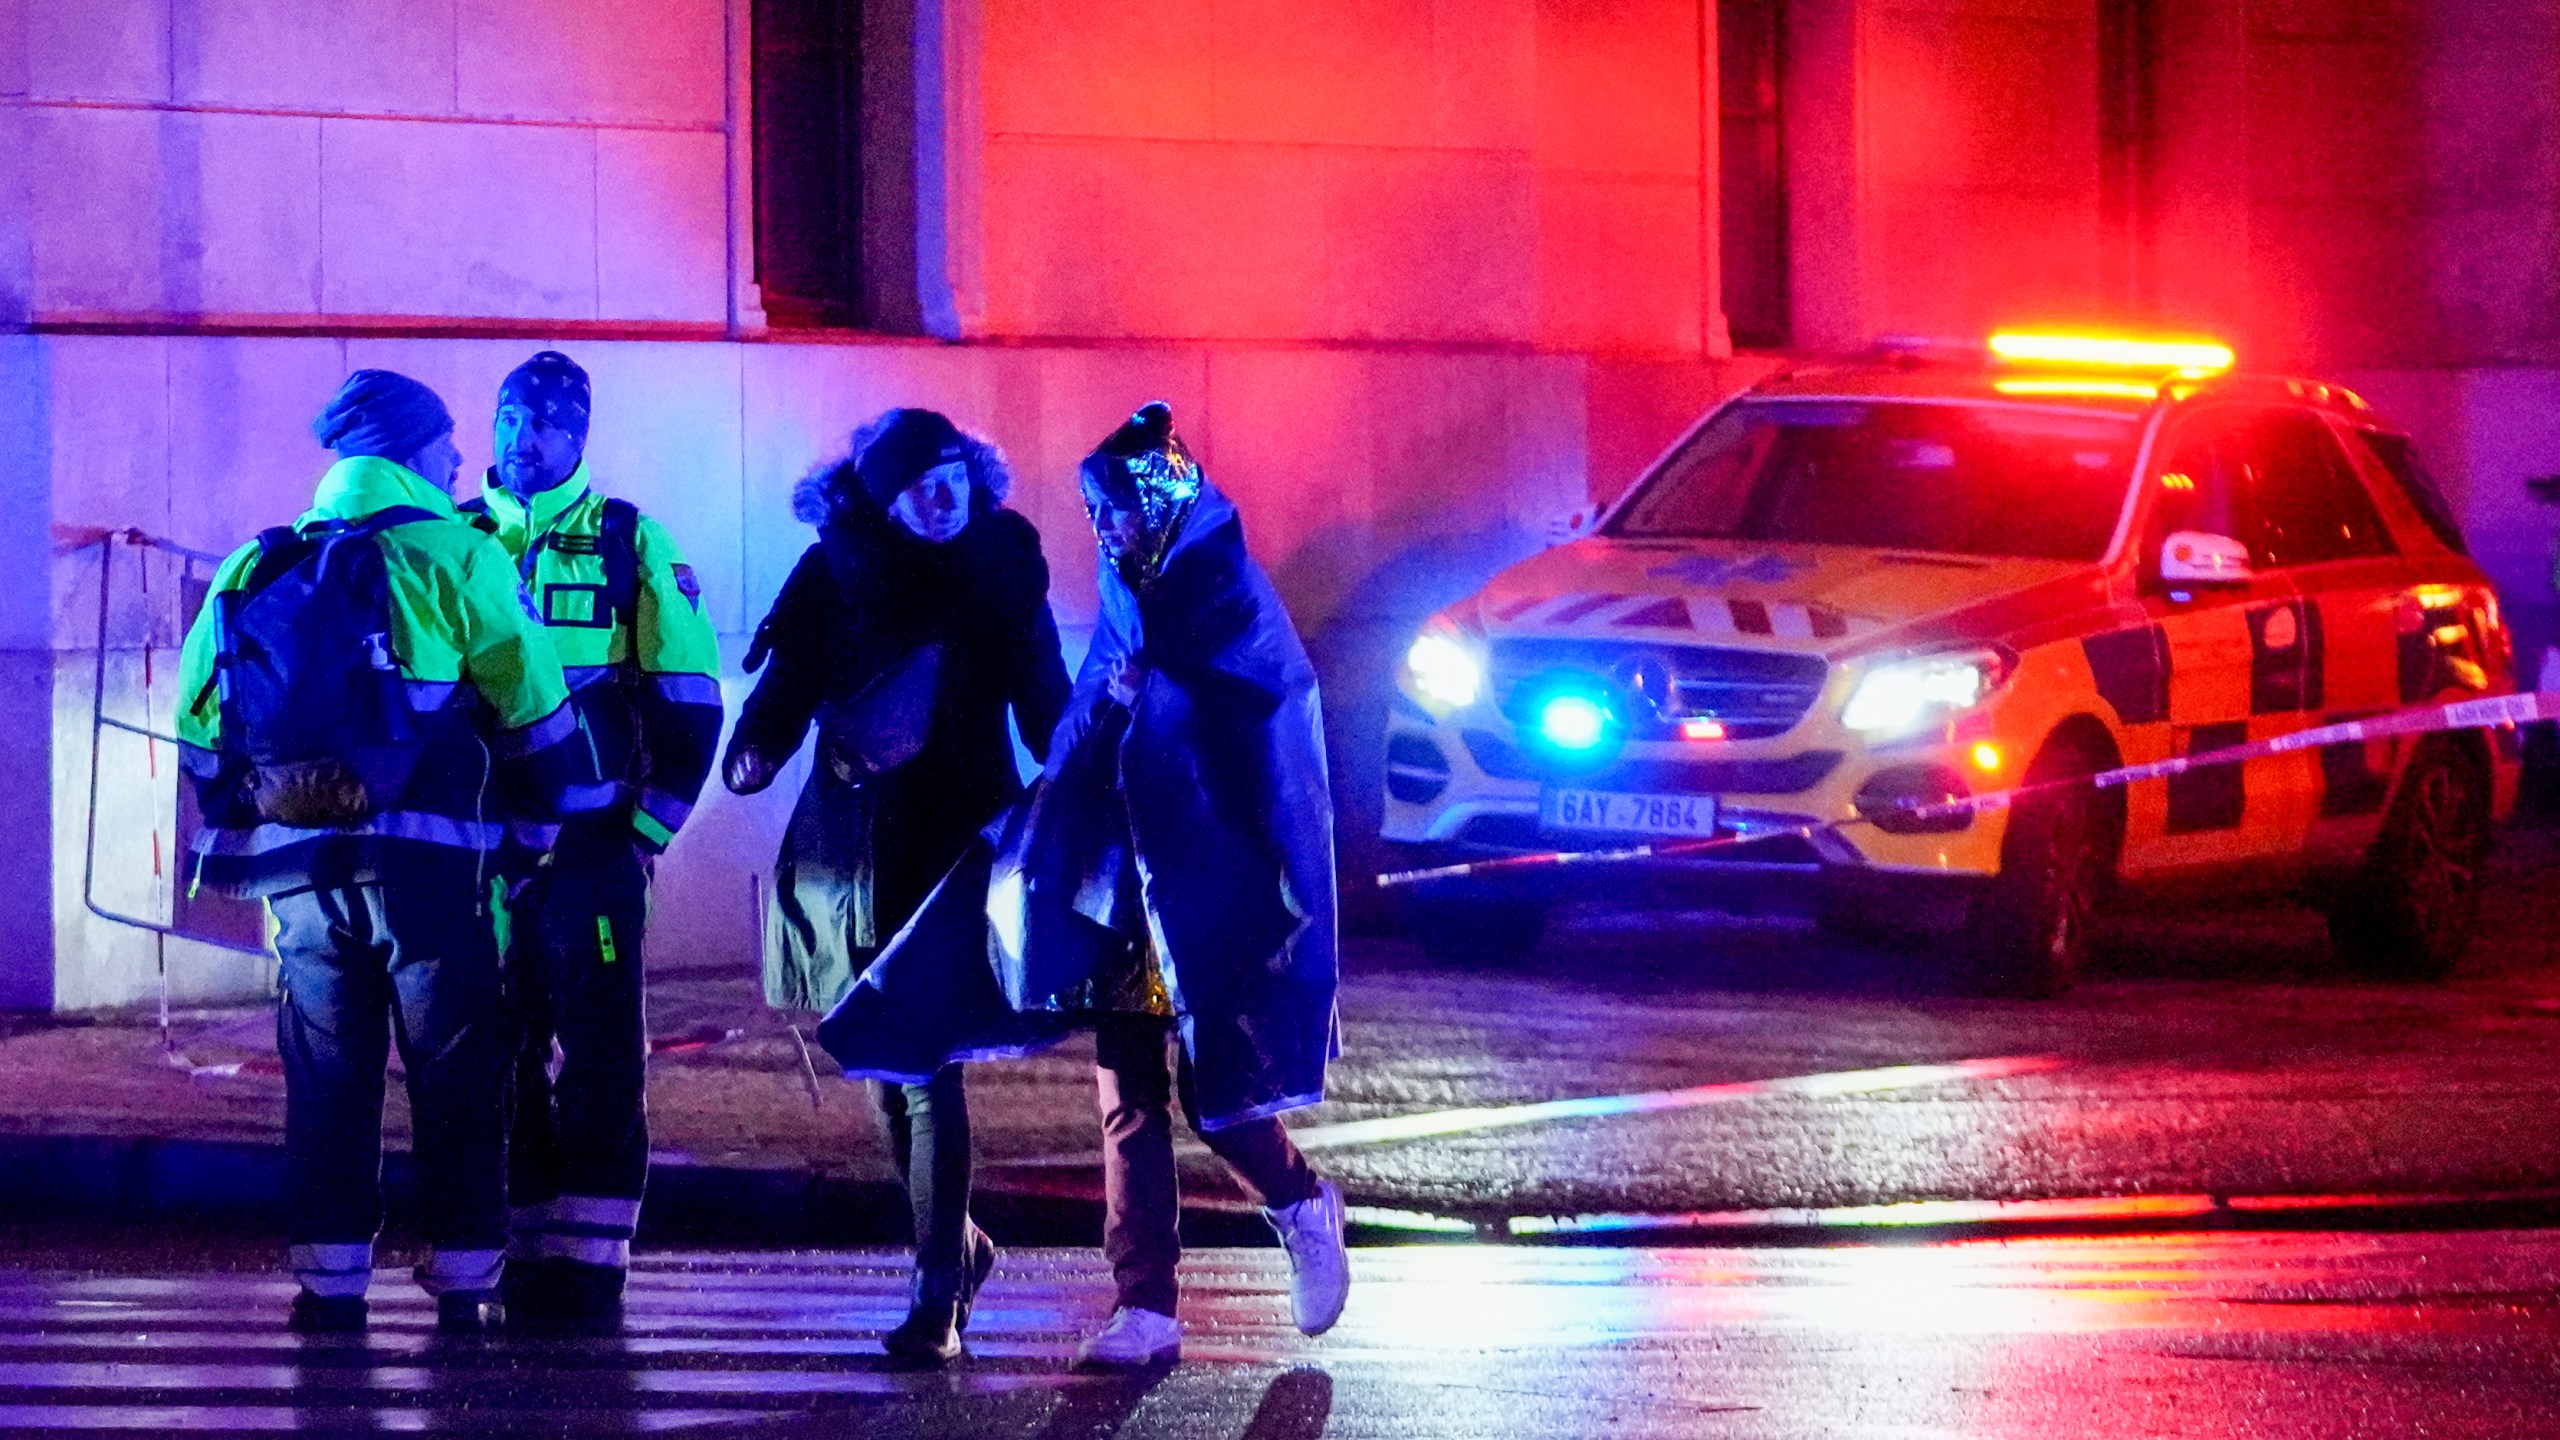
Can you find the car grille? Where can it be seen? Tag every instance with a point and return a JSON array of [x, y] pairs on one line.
[[1786, 775], [1754, 693]]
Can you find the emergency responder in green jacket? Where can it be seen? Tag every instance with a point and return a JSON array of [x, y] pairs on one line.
[[626, 614], [387, 926]]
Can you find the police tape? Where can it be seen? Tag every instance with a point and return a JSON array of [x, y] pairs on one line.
[[2488, 712]]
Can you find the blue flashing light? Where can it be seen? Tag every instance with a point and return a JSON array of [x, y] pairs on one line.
[[1573, 722]]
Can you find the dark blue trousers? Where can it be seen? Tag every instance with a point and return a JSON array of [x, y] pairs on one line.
[[413, 961], [578, 1155]]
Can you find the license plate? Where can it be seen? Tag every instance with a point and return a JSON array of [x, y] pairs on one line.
[[1602, 810]]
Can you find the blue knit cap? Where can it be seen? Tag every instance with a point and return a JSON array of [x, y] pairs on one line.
[[378, 412], [551, 386]]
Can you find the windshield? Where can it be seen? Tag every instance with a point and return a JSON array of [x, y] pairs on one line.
[[1896, 475]]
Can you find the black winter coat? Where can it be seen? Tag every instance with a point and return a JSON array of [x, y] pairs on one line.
[[858, 859], [1213, 786]]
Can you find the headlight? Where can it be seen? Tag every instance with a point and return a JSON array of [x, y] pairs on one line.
[[1442, 670], [1909, 695]]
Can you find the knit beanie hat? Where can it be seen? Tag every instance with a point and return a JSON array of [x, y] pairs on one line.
[[384, 414], [913, 442], [551, 386]]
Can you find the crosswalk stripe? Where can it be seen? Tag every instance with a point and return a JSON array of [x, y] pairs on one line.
[[708, 1342]]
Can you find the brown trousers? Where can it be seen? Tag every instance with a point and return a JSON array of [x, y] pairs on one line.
[[1137, 1076]]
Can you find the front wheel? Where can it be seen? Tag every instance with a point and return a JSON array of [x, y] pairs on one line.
[[2412, 913], [2029, 935]]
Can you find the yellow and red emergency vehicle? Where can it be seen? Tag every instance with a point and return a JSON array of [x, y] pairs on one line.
[[1942, 571]]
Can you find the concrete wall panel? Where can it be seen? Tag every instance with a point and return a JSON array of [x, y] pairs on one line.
[[380, 57], [1974, 100], [1325, 72], [167, 212], [1484, 66], [1137, 70], [1618, 262], [1152, 239], [1618, 86], [662, 232], [412, 219], [627, 61], [97, 49], [95, 212], [254, 192], [1430, 245]]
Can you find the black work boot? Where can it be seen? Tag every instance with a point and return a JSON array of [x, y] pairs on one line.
[[586, 1299], [326, 1314], [981, 1263], [930, 1335], [468, 1312], [554, 1296], [526, 1289]]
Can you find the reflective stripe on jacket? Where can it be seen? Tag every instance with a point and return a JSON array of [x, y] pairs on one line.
[[648, 685], [501, 748]]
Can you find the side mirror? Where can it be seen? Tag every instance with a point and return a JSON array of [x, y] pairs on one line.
[[1572, 527], [2197, 557]]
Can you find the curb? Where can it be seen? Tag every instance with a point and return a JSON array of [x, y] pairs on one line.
[[124, 1180]]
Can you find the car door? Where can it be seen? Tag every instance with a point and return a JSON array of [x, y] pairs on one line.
[[2318, 526], [2214, 644]]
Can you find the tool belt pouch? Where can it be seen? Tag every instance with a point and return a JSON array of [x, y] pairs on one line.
[[318, 794]]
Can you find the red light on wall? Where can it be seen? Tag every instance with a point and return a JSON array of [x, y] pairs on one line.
[[1701, 729]]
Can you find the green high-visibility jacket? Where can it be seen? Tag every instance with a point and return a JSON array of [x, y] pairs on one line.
[[646, 682], [501, 750]]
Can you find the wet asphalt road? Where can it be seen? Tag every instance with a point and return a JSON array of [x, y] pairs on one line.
[[2322, 1336], [2212, 1056], [1682, 1067]]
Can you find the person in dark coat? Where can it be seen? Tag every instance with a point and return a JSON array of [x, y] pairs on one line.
[[923, 606], [1171, 876]]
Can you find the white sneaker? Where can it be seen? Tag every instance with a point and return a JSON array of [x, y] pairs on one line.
[[1319, 1268], [1133, 1340]]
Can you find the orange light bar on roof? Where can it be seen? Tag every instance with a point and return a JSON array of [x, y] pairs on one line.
[[2115, 352], [2070, 386]]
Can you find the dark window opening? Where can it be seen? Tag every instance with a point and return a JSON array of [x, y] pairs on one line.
[[2128, 145], [808, 160], [835, 163], [1752, 198]]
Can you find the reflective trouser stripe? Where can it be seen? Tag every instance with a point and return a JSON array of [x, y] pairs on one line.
[[586, 1249], [335, 1270], [445, 1270], [594, 1229]]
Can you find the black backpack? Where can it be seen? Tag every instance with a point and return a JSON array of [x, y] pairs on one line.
[[315, 712]]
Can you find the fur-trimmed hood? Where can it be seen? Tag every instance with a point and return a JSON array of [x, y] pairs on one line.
[[827, 491]]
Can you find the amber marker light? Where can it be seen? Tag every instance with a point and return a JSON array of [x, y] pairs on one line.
[[2073, 388], [2177, 480], [1987, 758], [1701, 729], [2114, 352]]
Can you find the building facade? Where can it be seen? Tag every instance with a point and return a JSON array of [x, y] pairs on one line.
[[1418, 276]]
